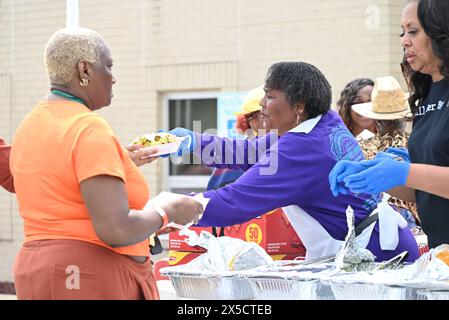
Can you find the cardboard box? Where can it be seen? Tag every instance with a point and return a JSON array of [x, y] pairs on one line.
[[288, 256], [182, 257], [177, 242], [272, 231]]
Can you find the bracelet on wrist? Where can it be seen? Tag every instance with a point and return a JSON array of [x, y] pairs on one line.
[[163, 215]]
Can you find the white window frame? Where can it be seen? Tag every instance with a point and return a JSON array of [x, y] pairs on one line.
[[170, 182]]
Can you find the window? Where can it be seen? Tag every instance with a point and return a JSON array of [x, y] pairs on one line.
[[187, 110]]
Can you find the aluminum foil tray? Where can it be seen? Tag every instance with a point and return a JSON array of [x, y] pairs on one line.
[[362, 291], [290, 289], [290, 282], [433, 295], [209, 285]]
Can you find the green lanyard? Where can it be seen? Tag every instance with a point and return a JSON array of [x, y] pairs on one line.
[[67, 96]]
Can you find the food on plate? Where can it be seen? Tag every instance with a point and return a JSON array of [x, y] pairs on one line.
[[155, 139]]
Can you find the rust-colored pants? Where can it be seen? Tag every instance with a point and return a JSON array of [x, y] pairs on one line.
[[71, 269]]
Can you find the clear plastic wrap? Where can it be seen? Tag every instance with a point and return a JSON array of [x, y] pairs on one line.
[[226, 253], [215, 274]]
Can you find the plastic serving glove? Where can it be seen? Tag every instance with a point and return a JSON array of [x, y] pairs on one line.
[[379, 176], [394, 153], [386, 155], [400, 152], [341, 170], [188, 144]]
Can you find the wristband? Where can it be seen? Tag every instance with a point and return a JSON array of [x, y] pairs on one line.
[[163, 215]]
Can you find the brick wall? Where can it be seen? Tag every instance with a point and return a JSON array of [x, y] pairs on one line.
[[25, 26], [183, 45]]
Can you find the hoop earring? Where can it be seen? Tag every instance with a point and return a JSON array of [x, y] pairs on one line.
[[84, 82]]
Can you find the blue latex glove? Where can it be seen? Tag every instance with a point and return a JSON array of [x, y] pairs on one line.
[[188, 144], [341, 170], [394, 153], [380, 175], [386, 155], [400, 152]]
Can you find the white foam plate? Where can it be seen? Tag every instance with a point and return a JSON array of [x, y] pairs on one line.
[[166, 148]]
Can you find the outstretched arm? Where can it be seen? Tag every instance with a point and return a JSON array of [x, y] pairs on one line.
[[429, 178], [229, 153], [115, 224]]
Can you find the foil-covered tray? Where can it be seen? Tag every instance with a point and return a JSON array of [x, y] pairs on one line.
[[366, 291], [290, 281], [289, 289], [207, 285], [433, 295], [365, 286]]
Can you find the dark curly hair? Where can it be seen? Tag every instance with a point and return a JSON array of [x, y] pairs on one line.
[[434, 18], [301, 83], [347, 99]]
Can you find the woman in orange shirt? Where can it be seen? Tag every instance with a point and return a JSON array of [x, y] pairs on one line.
[[82, 198]]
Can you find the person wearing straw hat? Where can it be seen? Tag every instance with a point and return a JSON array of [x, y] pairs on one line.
[[422, 175], [389, 108], [388, 101]]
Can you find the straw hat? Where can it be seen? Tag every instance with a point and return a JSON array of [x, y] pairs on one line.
[[388, 101], [251, 101]]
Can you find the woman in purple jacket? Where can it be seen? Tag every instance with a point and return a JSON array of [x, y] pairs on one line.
[[289, 168]]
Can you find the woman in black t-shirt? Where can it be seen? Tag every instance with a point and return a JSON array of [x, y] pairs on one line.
[[422, 177]]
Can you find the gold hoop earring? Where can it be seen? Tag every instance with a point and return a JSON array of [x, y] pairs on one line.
[[84, 82]]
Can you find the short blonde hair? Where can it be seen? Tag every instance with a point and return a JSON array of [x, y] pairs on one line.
[[66, 47]]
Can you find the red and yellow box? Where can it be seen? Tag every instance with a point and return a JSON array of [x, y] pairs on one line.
[[288, 256], [181, 257], [272, 231]]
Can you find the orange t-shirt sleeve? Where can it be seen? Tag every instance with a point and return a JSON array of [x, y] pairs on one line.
[[97, 151]]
